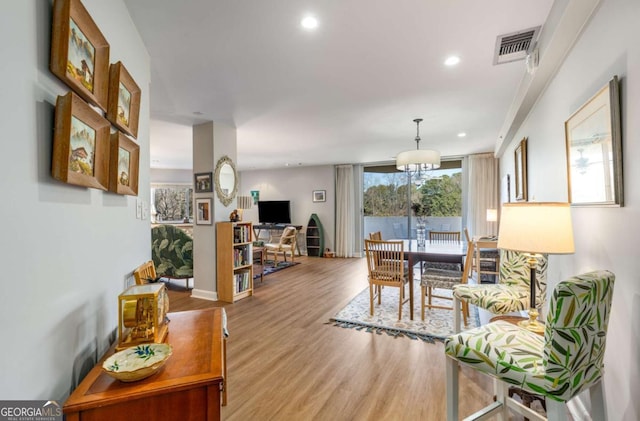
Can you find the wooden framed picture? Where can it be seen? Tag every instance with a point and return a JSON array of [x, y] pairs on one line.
[[319, 195], [203, 182], [124, 161], [79, 52], [594, 150], [124, 100], [521, 170], [80, 144], [203, 212]]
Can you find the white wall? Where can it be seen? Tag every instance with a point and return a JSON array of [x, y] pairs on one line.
[[67, 251], [606, 238], [171, 176], [296, 185]]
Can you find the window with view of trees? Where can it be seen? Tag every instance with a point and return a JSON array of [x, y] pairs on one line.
[[385, 194], [172, 203]]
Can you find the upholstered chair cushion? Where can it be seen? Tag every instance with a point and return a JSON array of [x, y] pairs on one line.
[[512, 291], [563, 363]]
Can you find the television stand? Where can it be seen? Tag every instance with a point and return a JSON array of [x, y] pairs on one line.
[[257, 228]]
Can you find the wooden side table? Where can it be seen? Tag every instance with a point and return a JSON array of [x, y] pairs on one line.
[[187, 387]]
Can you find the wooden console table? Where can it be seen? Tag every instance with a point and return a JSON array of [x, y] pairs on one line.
[[188, 387]]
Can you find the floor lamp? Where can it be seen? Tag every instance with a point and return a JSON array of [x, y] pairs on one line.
[[536, 228]]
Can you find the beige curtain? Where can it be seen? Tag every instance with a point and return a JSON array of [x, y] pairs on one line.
[[484, 193], [345, 211]]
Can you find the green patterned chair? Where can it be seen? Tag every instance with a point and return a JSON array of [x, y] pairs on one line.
[[566, 361], [172, 252], [510, 294]]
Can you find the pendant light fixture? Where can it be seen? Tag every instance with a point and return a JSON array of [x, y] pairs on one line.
[[418, 161]]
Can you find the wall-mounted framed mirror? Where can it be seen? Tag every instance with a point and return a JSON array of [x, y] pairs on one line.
[[226, 180]]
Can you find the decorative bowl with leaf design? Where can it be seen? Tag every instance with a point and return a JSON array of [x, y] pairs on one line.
[[138, 362]]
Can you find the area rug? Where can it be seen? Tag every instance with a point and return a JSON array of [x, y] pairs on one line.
[[437, 324], [271, 267]]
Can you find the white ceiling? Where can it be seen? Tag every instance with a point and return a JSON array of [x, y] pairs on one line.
[[345, 93]]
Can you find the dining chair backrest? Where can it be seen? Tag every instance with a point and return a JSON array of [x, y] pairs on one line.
[[377, 235], [514, 271], [385, 261], [444, 236], [576, 332], [145, 273]]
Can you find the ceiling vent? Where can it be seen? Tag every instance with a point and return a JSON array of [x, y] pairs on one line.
[[515, 46]]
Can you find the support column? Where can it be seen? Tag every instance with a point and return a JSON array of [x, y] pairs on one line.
[[211, 141]]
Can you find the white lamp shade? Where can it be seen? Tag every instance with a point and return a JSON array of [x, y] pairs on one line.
[[536, 227], [245, 202], [423, 158]]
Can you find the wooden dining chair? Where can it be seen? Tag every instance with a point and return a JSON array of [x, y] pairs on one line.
[[386, 266], [377, 235], [486, 261], [145, 273], [444, 236], [434, 278]]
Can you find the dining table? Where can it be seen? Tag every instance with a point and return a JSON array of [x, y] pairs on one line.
[[432, 251]]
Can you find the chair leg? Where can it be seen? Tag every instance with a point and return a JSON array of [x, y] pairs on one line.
[[456, 315], [401, 294], [371, 286], [451, 370], [557, 411], [423, 289], [596, 393]]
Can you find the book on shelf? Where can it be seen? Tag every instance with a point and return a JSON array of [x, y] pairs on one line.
[[241, 234], [242, 281]]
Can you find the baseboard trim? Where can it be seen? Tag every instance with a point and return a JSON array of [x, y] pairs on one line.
[[204, 294]]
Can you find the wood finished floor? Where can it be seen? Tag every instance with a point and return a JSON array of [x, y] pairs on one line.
[[286, 363]]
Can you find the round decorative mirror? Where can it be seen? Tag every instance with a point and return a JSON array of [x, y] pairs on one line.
[[226, 180]]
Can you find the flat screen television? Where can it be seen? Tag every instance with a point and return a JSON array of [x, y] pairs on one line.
[[274, 212]]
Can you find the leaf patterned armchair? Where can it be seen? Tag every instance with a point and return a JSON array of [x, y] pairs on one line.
[[511, 293], [563, 363], [172, 252]]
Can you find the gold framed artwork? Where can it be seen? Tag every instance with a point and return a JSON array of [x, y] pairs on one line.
[[594, 150], [123, 165], [520, 160], [79, 52], [80, 144], [203, 212], [124, 100]]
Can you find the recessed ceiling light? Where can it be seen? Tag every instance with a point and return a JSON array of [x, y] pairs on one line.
[[462, 134], [309, 23], [452, 61]]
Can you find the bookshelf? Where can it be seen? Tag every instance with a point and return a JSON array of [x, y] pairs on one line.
[[234, 260], [315, 237]]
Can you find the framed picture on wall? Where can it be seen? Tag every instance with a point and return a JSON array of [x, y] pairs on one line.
[[79, 52], [124, 100], [203, 182], [594, 150], [520, 160], [80, 144], [124, 159], [203, 212], [319, 195]]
